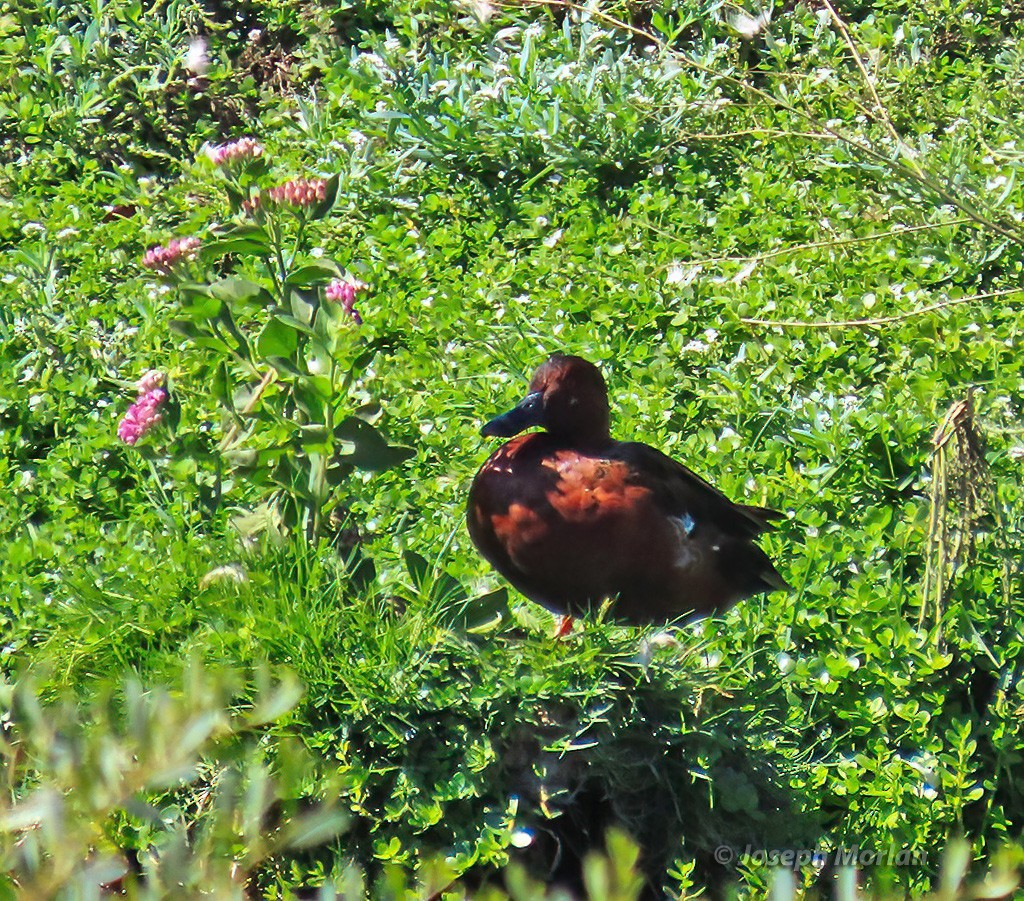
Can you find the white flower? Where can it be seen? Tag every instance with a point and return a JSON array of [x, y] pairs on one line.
[[552, 239], [744, 273], [230, 572], [482, 9], [678, 275], [494, 91], [371, 59], [749, 27], [196, 60]]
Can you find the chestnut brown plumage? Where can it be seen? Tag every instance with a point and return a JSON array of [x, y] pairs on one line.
[[572, 517]]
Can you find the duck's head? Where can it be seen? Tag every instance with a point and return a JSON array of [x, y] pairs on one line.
[[567, 398]]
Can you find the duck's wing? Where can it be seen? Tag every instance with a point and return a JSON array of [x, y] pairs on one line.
[[686, 494]]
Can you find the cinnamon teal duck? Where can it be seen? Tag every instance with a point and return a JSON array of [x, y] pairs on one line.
[[572, 517]]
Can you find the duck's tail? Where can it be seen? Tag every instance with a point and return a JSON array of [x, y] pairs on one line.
[[745, 557], [763, 517], [771, 580]]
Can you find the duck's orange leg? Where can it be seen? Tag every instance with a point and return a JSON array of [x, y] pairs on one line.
[[564, 627]]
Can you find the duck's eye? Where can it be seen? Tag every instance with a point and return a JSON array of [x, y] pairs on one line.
[[532, 403], [528, 412]]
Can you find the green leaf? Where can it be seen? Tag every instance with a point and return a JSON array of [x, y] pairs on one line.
[[220, 387], [199, 337], [285, 364], [303, 304], [313, 274], [198, 304], [369, 449], [419, 568], [278, 339], [327, 204], [484, 613], [185, 327], [240, 291], [315, 438], [241, 239], [312, 392], [228, 321], [294, 322]]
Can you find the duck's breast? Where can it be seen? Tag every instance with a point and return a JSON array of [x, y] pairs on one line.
[[574, 524]]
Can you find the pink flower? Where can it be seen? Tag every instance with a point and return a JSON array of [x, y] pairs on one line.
[[164, 259], [150, 381], [237, 151], [142, 415], [299, 192], [344, 291]]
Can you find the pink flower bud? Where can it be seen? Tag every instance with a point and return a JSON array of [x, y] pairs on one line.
[[164, 259], [299, 192], [343, 292], [237, 151]]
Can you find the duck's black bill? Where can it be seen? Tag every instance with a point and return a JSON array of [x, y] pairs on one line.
[[525, 414]]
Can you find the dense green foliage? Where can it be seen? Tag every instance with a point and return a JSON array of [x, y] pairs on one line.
[[790, 248]]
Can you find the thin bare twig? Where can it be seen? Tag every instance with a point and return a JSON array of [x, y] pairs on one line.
[[813, 245], [880, 109], [747, 133], [881, 320]]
